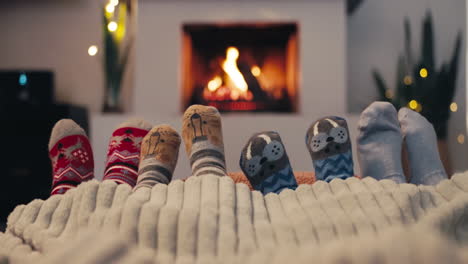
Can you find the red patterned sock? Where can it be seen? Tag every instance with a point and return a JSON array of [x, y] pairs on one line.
[[123, 155], [71, 156]]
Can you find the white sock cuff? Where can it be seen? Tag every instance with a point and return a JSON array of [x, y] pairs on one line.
[[137, 123], [64, 128]]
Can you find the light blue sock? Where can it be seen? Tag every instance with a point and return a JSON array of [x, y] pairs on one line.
[[379, 143], [421, 142]]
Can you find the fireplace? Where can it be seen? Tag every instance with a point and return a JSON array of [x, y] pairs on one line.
[[240, 67]]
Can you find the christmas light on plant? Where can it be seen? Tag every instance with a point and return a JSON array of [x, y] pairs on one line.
[[413, 104], [407, 80], [423, 72], [453, 107], [112, 26], [110, 8], [389, 94]]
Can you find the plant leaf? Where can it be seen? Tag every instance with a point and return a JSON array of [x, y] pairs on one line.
[[408, 50], [381, 87], [453, 68], [427, 45]]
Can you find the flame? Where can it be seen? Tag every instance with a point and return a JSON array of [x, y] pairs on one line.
[[214, 84], [256, 71], [230, 67], [236, 89]]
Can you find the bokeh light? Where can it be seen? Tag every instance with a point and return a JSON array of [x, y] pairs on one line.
[[92, 50], [453, 107], [423, 72], [112, 26]]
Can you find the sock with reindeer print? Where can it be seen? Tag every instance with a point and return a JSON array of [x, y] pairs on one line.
[[123, 155], [71, 156]]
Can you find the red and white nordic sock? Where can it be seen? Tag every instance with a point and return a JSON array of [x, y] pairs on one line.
[[71, 156], [123, 155]]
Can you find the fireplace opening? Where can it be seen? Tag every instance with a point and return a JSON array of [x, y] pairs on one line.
[[241, 67]]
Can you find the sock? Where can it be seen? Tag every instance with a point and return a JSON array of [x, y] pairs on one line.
[[421, 143], [123, 154], [158, 158], [71, 156], [203, 138], [329, 144], [265, 163], [379, 143]]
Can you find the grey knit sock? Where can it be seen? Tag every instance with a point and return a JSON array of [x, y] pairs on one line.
[[379, 143], [158, 157], [421, 142]]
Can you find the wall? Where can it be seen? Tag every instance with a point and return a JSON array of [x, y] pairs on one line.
[[55, 35], [376, 38]]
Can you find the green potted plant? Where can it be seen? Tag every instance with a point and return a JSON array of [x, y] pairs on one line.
[[117, 45]]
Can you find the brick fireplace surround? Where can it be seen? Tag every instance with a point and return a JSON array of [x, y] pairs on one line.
[[157, 89]]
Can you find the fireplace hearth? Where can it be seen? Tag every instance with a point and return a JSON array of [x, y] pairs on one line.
[[241, 67]]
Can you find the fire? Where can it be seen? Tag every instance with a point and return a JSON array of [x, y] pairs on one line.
[[256, 71], [214, 84], [233, 86], [230, 67]]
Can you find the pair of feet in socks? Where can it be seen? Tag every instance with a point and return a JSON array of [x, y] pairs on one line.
[[139, 155], [72, 156], [203, 139], [265, 163], [382, 132]]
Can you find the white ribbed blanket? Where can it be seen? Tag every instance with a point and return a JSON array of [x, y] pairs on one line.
[[213, 220]]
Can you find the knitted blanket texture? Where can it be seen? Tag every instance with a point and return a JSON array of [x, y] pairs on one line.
[[211, 219]]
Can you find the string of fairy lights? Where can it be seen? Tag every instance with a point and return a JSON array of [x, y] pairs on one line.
[[112, 26], [417, 106]]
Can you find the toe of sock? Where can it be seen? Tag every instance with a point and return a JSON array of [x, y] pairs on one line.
[[64, 128], [166, 130], [412, 122], [403, 118], [200, 109], [378, 111], [137, 123], [403, 113]]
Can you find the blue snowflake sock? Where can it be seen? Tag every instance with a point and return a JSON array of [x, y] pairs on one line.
[[265, 163], [329, 144]]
